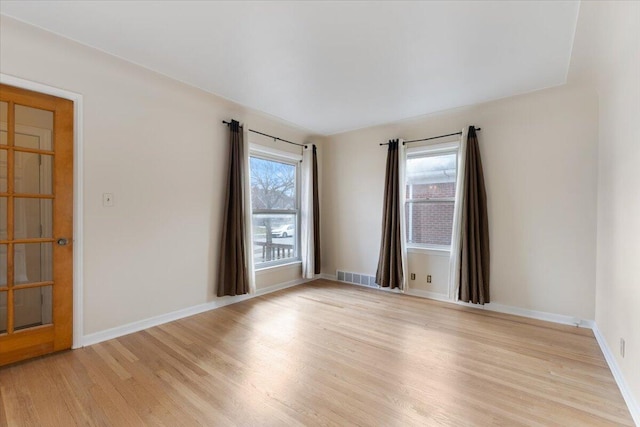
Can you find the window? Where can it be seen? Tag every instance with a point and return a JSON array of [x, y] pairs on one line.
[[274, 200], [430, 197]]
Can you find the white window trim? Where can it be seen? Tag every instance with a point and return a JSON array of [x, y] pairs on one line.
[[269, 153], [429, 250], [289, 264], [420, 247], [425, 151], [273, 153], [438, 148]]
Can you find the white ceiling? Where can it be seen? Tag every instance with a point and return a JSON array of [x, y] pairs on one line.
[[330, 66]]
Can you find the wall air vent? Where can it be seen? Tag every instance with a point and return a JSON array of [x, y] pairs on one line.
[[357, 279]]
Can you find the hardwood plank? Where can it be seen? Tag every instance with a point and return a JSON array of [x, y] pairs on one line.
[[330, 354], [19, 407], [46, 396]]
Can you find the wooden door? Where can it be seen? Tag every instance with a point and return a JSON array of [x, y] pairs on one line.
[[36, 224]]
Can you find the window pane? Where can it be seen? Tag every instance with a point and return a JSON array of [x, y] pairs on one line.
[[3, 219], [33, 127], [32, 307], [3, 171], [273, 184], [33, 218], [429, 223], [4, 111], [33, 173], [431, 176], [33, 262], [3, 312], [274, 237], [3, 265]]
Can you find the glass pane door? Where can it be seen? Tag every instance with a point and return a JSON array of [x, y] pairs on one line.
[[36, 208], [32, 200]]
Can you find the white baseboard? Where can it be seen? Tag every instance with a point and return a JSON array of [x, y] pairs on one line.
[[427, 294], [139, 325], [632, 404], [532, 314], [331, 277], [507, 309], [499, 308]]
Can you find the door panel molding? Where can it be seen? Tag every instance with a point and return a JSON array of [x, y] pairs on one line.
[[78, 195]]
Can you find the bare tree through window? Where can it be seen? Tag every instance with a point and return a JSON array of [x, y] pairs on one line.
[[273, 197]]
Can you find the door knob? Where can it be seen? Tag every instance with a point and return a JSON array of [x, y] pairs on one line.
[[62, 241]]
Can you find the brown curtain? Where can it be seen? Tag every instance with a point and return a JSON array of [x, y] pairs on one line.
[[389, 273], [316, 215], [232, 272], [474, 239]]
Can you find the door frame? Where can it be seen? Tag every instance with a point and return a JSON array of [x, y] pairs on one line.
[[78, 218]]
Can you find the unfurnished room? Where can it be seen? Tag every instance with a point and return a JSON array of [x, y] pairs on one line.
[[319, 213]]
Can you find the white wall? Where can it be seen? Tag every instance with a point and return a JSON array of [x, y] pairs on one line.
[[539, 156], [434, 264], [159, 146], [607, 54]]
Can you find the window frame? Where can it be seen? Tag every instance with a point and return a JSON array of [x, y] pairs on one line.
[[293, 159], [430, 150]]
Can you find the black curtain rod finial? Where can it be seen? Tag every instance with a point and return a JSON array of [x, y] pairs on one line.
[[275, 138]]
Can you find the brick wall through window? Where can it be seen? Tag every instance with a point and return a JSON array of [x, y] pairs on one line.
[[430, 223]]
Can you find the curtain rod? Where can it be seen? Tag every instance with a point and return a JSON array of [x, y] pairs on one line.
[[433, 137], [270, 136]]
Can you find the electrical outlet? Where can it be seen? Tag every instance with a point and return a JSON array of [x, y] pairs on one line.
[[429, 278], [413, 276], [622, 345], [107, 200]]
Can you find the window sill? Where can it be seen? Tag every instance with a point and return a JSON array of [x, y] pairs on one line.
[[429, 251], [268, 268]]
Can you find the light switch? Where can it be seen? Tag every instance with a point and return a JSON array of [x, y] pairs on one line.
[[107, 200]]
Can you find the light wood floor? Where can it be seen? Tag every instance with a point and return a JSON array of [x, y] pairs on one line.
[[325, 354]]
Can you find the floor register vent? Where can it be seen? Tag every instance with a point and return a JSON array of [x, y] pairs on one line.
[[356, 279]]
